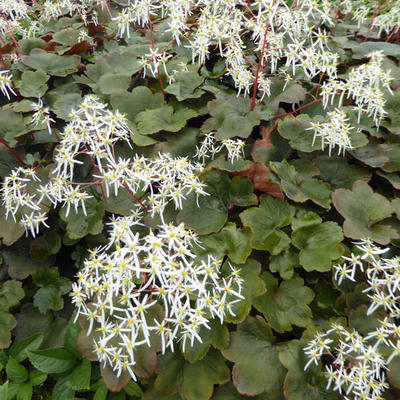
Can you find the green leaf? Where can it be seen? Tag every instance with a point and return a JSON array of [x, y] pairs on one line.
[[19, 350], [46, 244], [393, 178], [11, 293], [132, 103], [52, 361], [36, 377], [217, 336], [231, 117], [392, 108], [295, 130], [52, 63], [72, 331], [7, 323], [79, 225], [362, 210], [79, 378], [285, 305], [4, 391], [133, 389], [10, 231], [207, 214], [65, 103], [24, 391], [285, 92], [186, 85], [362, 49], [319, 244], [19, 261], [301, 188], [67, 37], [253, 286], [241, 192], [265, 221], [284, 263], [372, 154], [163, 119], [15, 371], [365, 323], [62, 391], [11, 125], [33, 83], [339, 173], [110, 83], [101, 392], [192, 381], [300, 384], [26, 45], [257, 367], [30, 322], [230, 241], [392, 151], [52, 288]]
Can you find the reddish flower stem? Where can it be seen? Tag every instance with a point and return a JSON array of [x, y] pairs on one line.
[[152, 46], [135, 197], [253, 102], [299, 109], [12, 151]]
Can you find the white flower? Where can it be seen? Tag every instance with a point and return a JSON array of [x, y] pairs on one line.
[[6, 83], [138, 285]]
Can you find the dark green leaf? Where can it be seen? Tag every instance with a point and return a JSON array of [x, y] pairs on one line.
[[362, 210], [301, 188], [163, 119], [19, 350], [265, 221], [231, 117], [52, 63], [51, 361], [33, 84], [231, 241], [285, 305], [36, 377], [192, 381], [253, 286], [217, 336], [79, 224], [79, 378], [257, 367], [185, 85], [319, 244], [15, 371], [7, 323]]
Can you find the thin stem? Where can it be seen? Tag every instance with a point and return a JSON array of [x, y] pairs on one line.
[[253, 102], [12, 151], [298, 109], [152, 46], [135, 197]]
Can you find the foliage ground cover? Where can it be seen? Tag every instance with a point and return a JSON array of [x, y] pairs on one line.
[[199, 199]]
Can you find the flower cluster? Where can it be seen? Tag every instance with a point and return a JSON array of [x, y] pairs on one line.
[[364, 86], [94, 132], [20, 199], [359, 363], [41, 115], [335, 132], [357, 367], [209, 148], [136, 288]]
